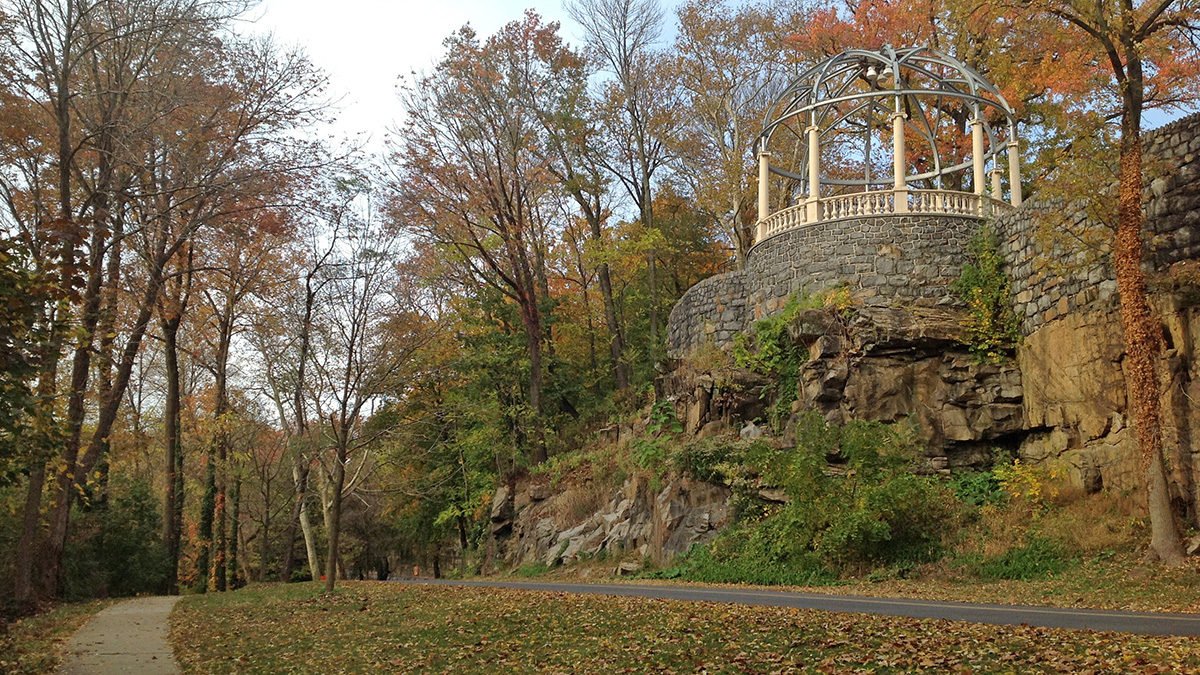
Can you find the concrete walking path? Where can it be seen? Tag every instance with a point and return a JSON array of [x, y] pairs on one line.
[[128, 638], [1146, 623]]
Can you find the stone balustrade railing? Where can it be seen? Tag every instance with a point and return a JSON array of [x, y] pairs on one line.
[[881, 202], [793, 216]]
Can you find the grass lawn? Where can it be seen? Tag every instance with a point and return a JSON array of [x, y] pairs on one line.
[[369, 627], [1106, 582], [31, 645], [1116, 582]]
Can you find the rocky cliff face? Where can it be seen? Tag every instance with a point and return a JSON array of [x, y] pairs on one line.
[[875, 363], [533, 524], [887, 364], [1062, 400], [1076, 410]]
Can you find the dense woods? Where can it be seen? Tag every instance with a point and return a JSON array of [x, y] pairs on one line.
[[232, 351]]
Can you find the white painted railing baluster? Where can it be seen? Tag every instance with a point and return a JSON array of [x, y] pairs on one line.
[[873, 203]]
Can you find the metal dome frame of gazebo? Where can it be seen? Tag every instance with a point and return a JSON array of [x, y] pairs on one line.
[[861, 84]]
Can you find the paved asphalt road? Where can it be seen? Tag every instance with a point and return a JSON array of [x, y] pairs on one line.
[[1010, 615]]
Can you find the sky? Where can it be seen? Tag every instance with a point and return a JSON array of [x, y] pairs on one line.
[[365, 45]]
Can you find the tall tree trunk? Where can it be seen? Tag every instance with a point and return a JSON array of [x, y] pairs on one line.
[[208, 505], [334, 522], [264, 537], [462, 544], [652, 278], [64, 482], [24, 594], [235, 527], [110, 297], [170, 320], [300, 470], [533, 340], [616, 337], [300, 479], [220, 540], [174, 451], [220, 545], [30, 546], [310, 543], [1143, 331]]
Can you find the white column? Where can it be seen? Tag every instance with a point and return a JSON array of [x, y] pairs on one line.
[[899, 186], [1014, 170], [997, 190], [764, 195], [977, 157], [977, 154], [814, 173]]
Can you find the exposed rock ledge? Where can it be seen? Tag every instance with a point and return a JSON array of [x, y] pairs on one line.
[[875, 363], [531, 525]]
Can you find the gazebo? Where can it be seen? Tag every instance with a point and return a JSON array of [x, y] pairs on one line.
[[830, 127]]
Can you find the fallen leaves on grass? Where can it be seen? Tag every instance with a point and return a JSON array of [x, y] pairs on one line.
[[1101, 583], [371, 627], [31, 644]]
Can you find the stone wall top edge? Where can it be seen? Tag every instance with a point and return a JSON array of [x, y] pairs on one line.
[[873, 216], [1174, 125], [698, 287]]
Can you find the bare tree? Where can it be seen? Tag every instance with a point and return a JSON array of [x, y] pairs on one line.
[[369, 326], [620, 36]]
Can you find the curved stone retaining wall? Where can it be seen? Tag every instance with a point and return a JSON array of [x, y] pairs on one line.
[[882, 259], [914, 258], [714, 309]]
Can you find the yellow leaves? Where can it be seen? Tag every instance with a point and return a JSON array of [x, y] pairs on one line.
[[1036, 484]]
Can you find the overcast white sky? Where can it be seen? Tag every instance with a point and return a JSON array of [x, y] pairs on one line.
[[365, 45]]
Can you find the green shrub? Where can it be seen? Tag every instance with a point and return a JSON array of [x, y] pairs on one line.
[[117, 547], [977, 488], [772, 352], [532, 570], [993, 331], [873, 512], [1037, 558], [709, 459], [650, 452], [702, 564], [898, 521]]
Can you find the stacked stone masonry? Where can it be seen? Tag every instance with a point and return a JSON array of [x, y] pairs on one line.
[[881, 259], [712, 310], [1049, 282], [911, 260]]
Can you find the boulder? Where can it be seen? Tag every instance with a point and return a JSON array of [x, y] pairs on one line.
[[627, 568], [749, 431], [502, 507]]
